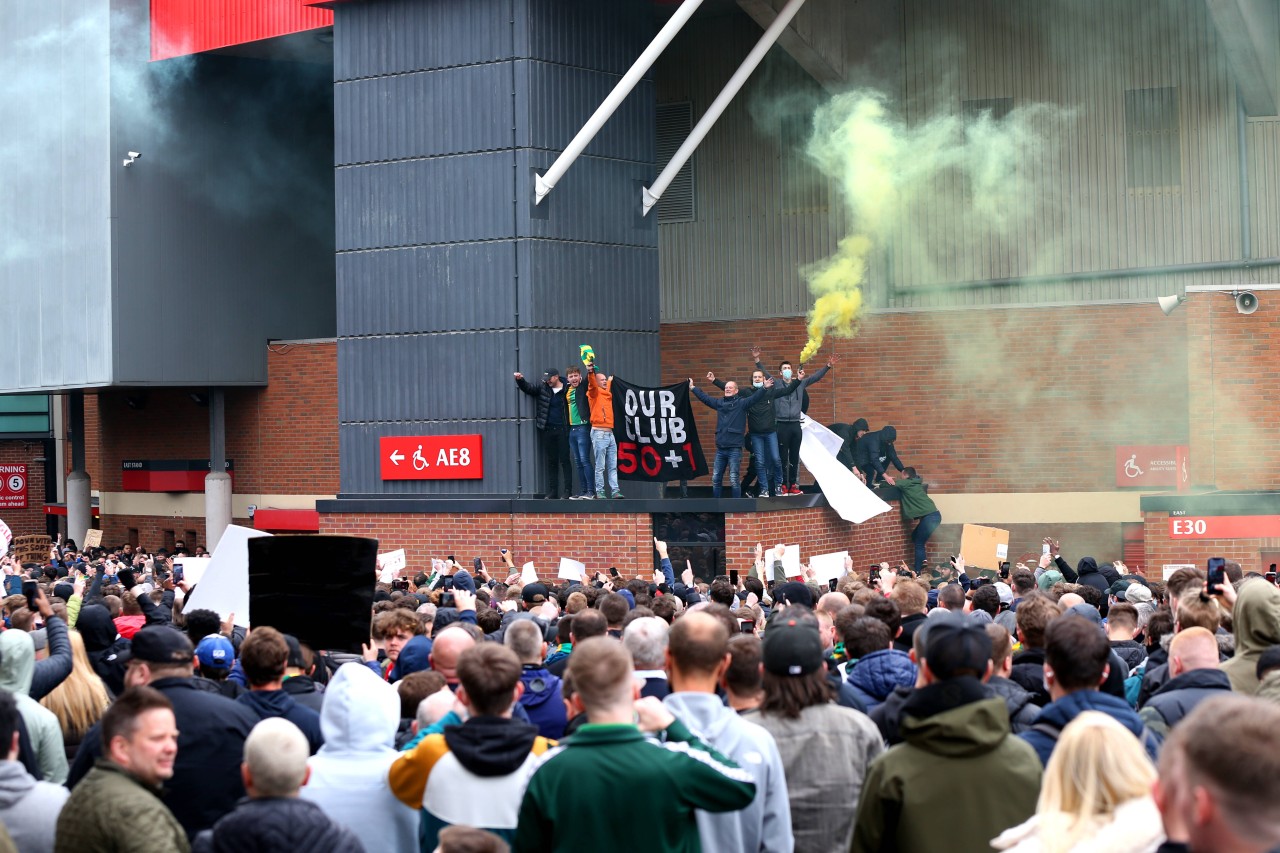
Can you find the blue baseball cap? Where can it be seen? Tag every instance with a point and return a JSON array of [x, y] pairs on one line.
[[216, 652]]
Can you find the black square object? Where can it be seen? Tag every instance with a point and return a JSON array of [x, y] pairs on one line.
[[317, 588]]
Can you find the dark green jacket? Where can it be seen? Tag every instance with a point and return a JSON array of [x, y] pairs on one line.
[[111, 812], [914, 501], [958, 780], [663, 783]]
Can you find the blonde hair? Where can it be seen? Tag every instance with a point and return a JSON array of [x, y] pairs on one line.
[[80, 700], [1096, 766]]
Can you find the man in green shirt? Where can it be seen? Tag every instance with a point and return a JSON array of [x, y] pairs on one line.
[[666, 780], [580, 435], [916, 503]]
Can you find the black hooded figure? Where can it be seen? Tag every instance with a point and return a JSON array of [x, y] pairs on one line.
[[875, 452]]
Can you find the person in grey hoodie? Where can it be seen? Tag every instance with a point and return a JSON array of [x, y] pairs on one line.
[[17, 666], [28, 809], [697, 656]]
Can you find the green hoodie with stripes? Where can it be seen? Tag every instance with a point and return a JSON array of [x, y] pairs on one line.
[[565, 806]]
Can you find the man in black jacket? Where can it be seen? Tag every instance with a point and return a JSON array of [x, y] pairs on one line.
[[763, 426], [211, 731], [875, 452], [1193, 665], [553, 430]]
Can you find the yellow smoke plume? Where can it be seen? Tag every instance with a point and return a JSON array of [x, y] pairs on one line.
[[836, 282]]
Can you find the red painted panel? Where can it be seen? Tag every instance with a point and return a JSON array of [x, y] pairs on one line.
[[431, 457], [181, 27], [1224, 527], [297, 520]]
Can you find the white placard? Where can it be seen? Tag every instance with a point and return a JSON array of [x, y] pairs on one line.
[[571, 570], [224, 588], [391, 564], [1002, 551], [528, 574], [791, 562], [6, 538], [846, 494], [1170, 568], [193, 568], [829, 567]]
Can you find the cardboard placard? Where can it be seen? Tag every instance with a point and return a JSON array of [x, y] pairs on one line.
[[983, 547], [528, 574], [791, 562], [193, 568], [571, 570], [6, 538], [317, 588], [225, 586], [829, 567], [93, 538]]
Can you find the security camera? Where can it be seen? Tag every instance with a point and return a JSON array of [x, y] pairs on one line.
[[134, 155], [1246, 302]]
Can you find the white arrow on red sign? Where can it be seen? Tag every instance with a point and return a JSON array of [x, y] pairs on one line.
[[396, 457]]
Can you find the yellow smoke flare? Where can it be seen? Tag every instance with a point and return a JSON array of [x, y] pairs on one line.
[[836, 284]]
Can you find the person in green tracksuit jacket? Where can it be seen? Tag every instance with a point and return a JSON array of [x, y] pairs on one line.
[[916, 503], [665, 781]]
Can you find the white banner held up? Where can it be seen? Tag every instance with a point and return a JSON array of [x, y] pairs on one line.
[[571, 570], [528, 574], [193, 568], [390, 565], [829, 567], [791, 562], [225, 586], [846, 494]]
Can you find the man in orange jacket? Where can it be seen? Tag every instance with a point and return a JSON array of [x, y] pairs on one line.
[[603, 444]]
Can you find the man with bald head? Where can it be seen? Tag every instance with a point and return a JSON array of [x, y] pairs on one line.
[[1194, 677], [1070, 600], [445, 651], [696, 659]]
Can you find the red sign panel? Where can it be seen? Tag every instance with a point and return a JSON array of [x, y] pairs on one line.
[[1224, 527], [431, 457], [1152, 465], [13, 486], [181, 27]]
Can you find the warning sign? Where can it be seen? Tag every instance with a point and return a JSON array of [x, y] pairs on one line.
[[13, 486]]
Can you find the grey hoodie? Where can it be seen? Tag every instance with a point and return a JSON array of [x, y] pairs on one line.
[[29, 809], [17, 666], [764, 825]]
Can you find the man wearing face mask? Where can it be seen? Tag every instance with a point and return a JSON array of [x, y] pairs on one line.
[[788, 408], [764, 430], [731, 427]]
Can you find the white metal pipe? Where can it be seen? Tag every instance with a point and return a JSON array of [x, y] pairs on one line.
[[544, 184], [650, 195]]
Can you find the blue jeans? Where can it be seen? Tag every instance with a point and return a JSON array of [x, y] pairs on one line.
[[726, 458], [605, 447], [919, 536], [764, 449], [580, 450]]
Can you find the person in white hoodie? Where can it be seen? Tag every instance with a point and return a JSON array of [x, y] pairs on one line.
[[17, 668], [28, 809], [697, 657], [359, 718]]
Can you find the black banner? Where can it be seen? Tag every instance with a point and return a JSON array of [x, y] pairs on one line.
[[657, 437]]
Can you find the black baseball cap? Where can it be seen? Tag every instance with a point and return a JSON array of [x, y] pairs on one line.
[[794, 592], [956, 646], [161, 645], [534, 593], [792, 645], [551, 371]]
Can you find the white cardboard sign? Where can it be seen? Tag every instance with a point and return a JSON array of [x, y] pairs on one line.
[[528, 574], [224, 589], [571, 570], [391, 564], [791, 562], [829, 566]]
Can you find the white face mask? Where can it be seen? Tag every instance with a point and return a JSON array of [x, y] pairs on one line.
[[757, 384], [786, 373]]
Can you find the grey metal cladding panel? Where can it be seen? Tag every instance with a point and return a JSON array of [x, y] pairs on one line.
[[562, 98], [437, 376], [422, 202], [394, 36], [55, 256], [604, 36], [635, 356], [461, 286], [586, 285], [503, 443], [450, 111], [597, 201]]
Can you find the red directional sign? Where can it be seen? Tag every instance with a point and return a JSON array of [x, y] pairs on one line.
[[431, 457], [13, 486]]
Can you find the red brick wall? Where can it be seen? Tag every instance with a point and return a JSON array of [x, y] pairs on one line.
[[152, 530], [24, 522], [996, 400], [1161, 549], [1234, 391], [283, 438], [624, 540]]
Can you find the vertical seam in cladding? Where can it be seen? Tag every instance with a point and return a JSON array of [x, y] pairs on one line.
[[515, 261]]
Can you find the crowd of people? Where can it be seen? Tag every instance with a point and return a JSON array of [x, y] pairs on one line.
[[1053, 708]]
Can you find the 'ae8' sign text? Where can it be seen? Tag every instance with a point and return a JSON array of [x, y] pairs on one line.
[[431, 457]]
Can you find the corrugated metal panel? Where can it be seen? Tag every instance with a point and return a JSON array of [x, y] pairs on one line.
[[55, 256], [597, 201], [561, 99], [620, 280], [1264, 187], [421, 114], [398, 36], [598, 36], [674, 121], [742, 255], [180, 27]]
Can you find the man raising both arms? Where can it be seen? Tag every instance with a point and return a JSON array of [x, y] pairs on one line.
[[787, 410]]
